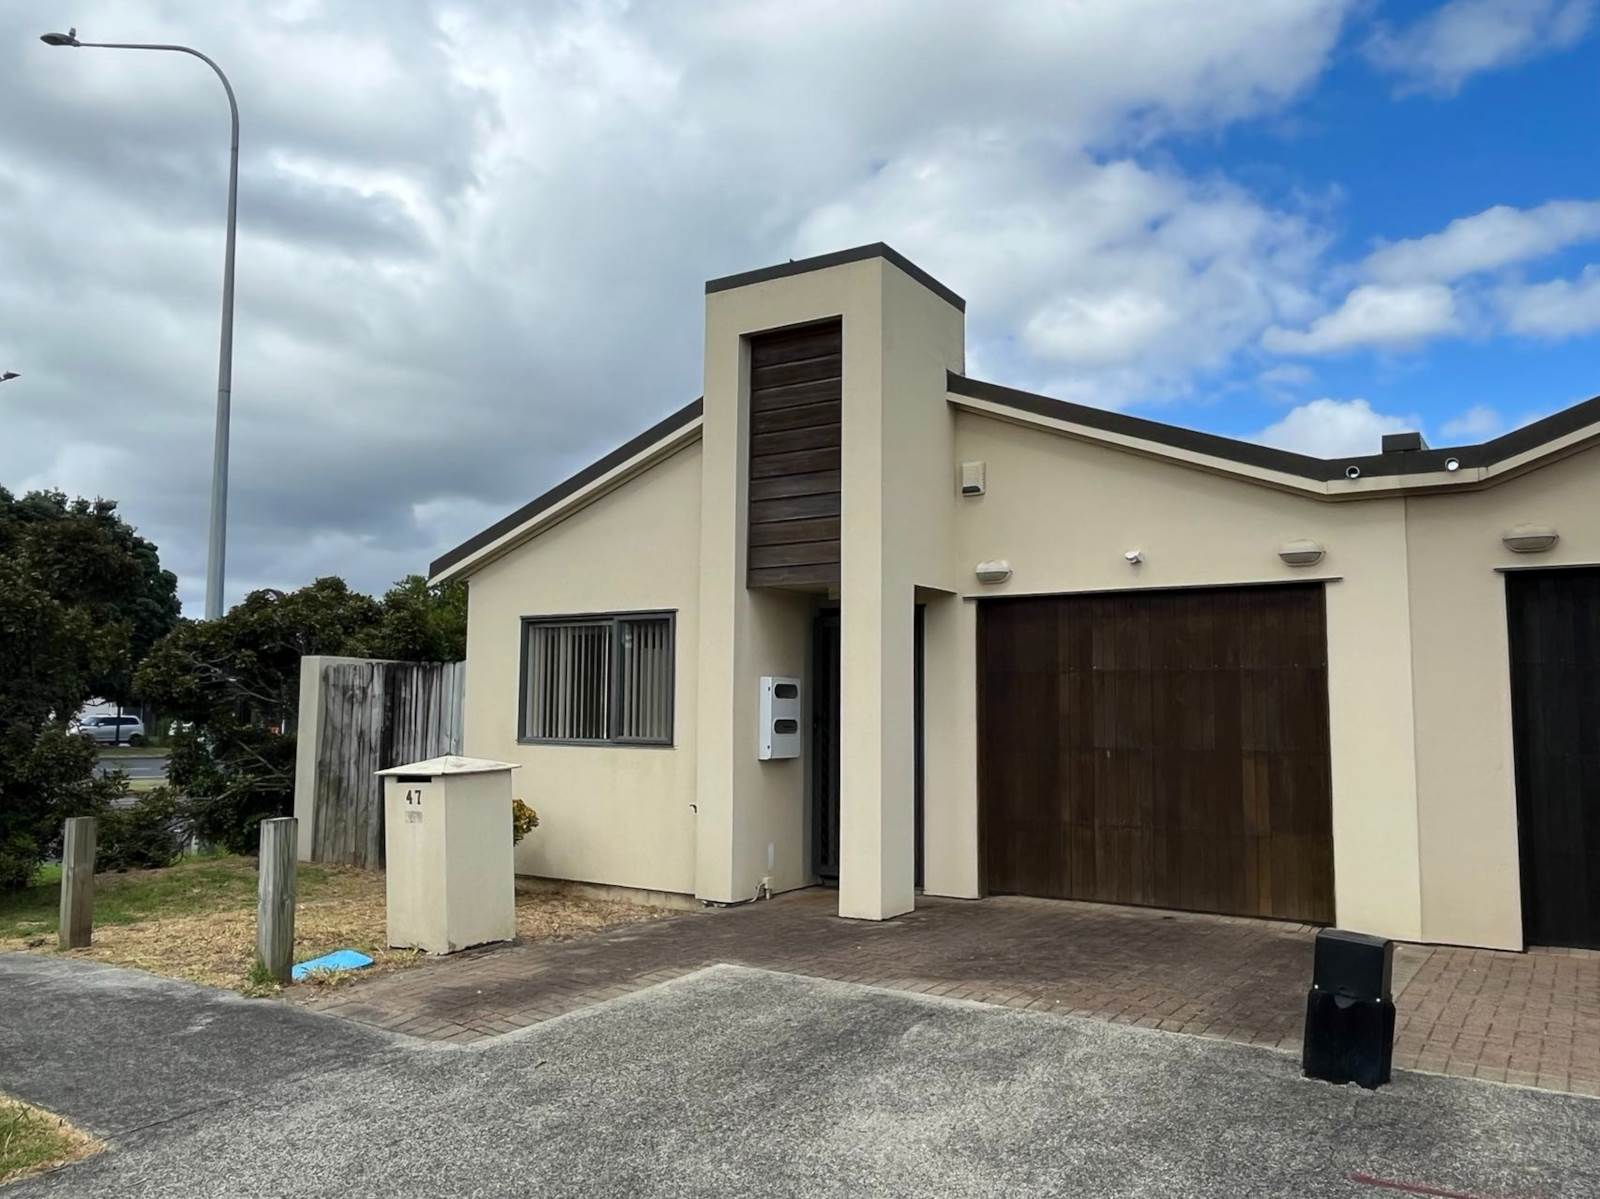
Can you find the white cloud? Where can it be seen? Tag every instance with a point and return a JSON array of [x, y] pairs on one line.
[[1287, 374], [1478, 423], [1328, 428], [452, 214], [1556, 309], [1372, 315], [1103, 280], [1494, 238], [1285, 382], [1442, 50]]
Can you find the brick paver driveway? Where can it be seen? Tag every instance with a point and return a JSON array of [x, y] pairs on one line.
[[1525, 1018]]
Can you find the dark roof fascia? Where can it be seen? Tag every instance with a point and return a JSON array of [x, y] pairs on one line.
[[1192, 440], [839, 258], [683, 416], [1411, 462], [1550, 428]]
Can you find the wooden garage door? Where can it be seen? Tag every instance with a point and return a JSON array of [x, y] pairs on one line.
[[1164, 748], [1555, 718]]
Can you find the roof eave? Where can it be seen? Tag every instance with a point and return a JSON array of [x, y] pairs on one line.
[[1360, 477]]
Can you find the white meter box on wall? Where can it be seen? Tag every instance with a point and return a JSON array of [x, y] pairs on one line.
[[780, 718]]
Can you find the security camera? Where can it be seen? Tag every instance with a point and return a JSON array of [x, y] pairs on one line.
[[1134, 557]]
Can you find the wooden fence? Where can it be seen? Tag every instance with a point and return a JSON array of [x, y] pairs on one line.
[[365, 716]]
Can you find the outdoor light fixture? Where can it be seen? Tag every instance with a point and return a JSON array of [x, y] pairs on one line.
[[1300, 552], [1530, 539], [996, 571], [7, 376], [1352, 471], [216, 552], [1452, 464]]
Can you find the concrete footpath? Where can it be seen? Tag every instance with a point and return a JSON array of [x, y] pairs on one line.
[[733, 1081]]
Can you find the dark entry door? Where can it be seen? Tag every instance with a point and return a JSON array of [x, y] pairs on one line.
[[1163, 748], [825, 744], [1555, 719]]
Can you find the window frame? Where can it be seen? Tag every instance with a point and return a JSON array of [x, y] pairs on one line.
[[614, 620]]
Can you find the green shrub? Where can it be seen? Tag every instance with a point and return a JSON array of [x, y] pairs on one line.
[[149, 834], [44, 778], [523, 820]]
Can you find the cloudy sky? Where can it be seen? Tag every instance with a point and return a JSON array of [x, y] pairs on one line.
[[1300, 221]]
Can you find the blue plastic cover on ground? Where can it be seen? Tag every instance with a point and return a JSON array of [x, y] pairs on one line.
[[339, 959]]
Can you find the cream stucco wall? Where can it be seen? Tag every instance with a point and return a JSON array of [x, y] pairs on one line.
[[1466, 784], [950, 747], [1063, 512], [622, 815], [747, 805], [1424, 804], [899, 508], [1424, 811], [897, 435]]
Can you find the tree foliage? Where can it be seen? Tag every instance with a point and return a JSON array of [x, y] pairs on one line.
[[82, 597], [233, 686]]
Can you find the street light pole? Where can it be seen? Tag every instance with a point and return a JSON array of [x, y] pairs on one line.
[[218, 544]]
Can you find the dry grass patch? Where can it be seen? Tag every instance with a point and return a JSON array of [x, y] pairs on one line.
[[552, 915], [33, 1140], [197, 921]]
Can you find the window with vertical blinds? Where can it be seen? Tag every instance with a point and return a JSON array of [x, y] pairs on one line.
[[598, 679]]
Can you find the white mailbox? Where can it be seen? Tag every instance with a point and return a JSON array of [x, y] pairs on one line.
[[780, 718], [447, 835]]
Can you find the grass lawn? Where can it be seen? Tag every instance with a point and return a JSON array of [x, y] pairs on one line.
[[31, 1140], [197, 920]]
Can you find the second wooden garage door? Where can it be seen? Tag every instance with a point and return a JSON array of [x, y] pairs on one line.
[[1163, 748]]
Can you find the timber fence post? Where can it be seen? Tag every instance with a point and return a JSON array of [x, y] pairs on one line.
[[275, 896], [77, 883]]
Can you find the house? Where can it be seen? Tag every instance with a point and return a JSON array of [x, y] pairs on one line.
[[1044, 648]]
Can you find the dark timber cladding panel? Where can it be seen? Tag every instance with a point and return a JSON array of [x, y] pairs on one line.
[[794, 456], [1163, 748], [1555, 720]]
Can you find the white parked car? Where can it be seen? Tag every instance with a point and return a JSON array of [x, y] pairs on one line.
[[112, 730]]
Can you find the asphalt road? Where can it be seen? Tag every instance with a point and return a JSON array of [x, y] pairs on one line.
[[735, 1082], [144, 766]]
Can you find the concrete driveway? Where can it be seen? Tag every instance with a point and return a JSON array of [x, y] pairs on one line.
[[734, 1081]]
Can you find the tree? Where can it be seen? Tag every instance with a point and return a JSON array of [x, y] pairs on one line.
[[82, 596], [418, 623], [233, 685]]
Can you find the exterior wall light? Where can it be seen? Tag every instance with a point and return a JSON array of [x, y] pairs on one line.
[[1452, 464], [997, 571], [1530, 539], [1300, 552]]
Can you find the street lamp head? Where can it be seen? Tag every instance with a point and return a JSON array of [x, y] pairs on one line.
[[7, 376], [69, 38]]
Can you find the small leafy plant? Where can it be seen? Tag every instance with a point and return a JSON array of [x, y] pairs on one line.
[[259, 982], [523, 820]]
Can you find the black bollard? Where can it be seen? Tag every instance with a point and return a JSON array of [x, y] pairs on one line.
[[1349, 1011]]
